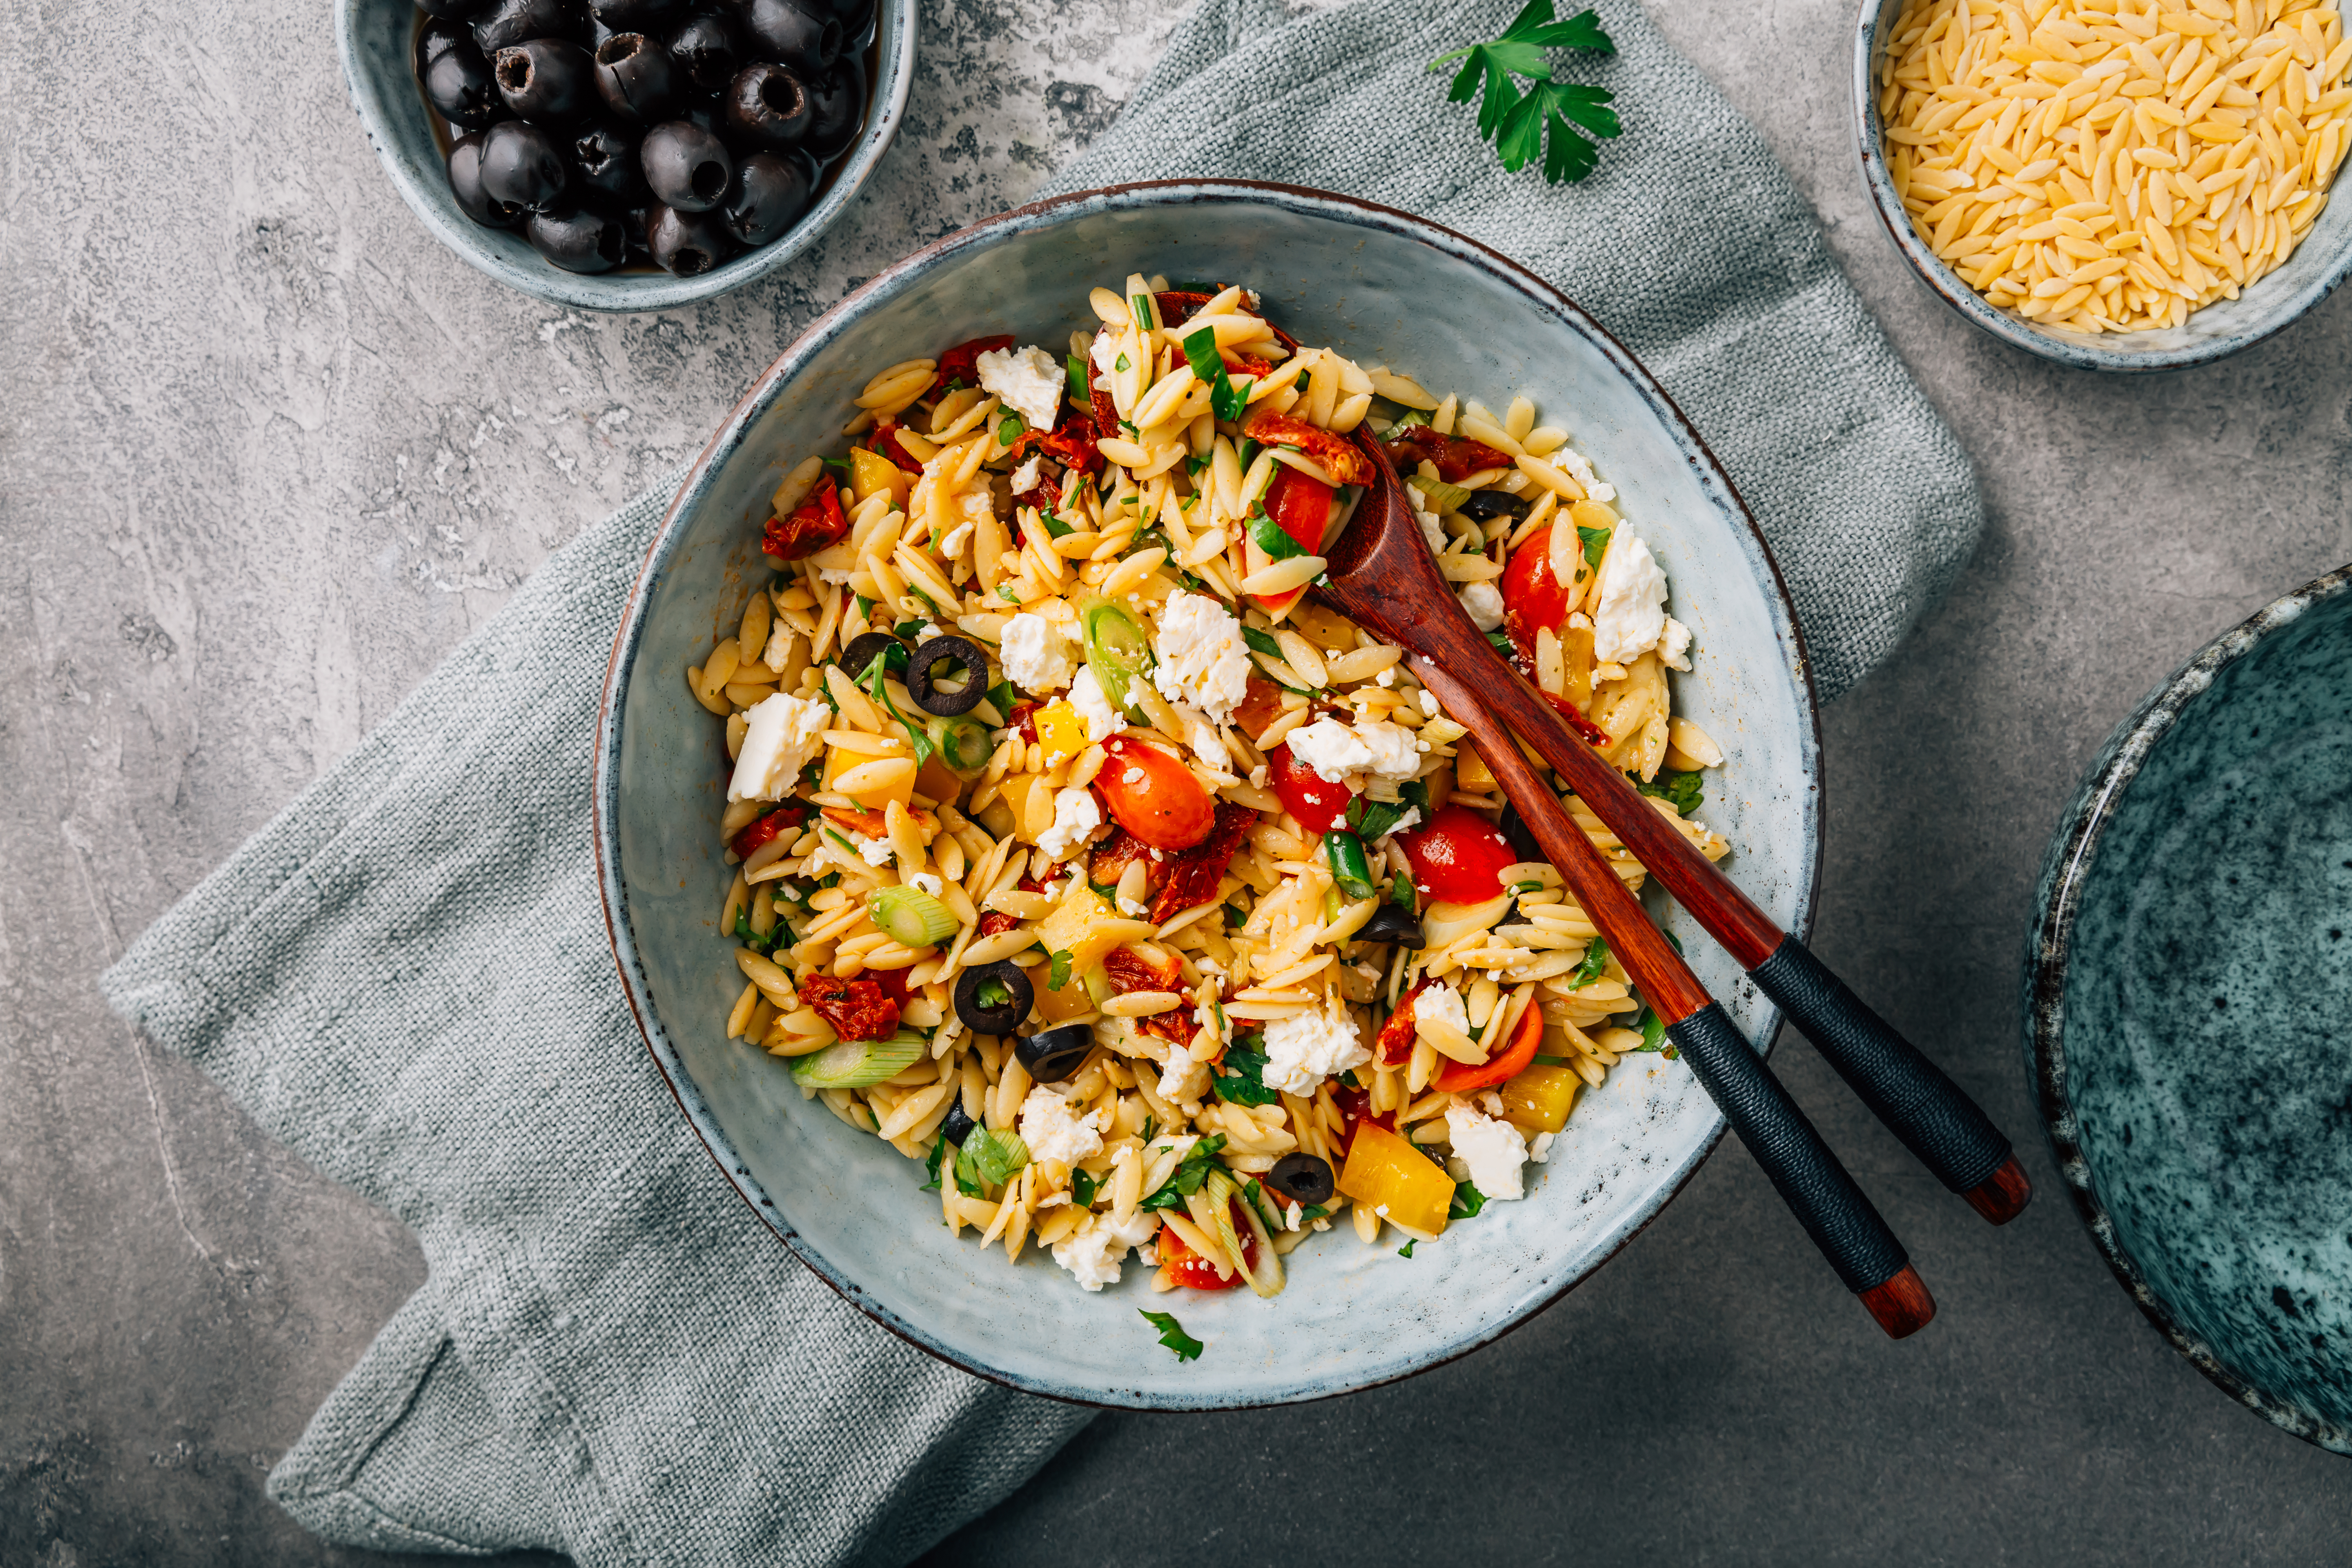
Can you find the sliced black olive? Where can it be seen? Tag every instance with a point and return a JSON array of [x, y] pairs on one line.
[[1392, 922], [993, 998], [958, 1126], [1303, 1177], [859, 654], [1488, 505], [933, 698], [1056, 1054]]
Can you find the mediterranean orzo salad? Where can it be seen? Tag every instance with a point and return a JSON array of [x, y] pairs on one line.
[[1079, 854]]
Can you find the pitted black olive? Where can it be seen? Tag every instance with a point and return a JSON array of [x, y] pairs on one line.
[[923, 672], [859, 654], [708, 49], [993, 998], [959, 1124], [1056, 1054], [508, 22], [522, 164], [687, 244], [1303, 1177], [633, 15], [438, 36], [1488, 505], [1518, 835], [855, 15], [604, 162], [1392, 922], [688, 167], [836, 108], [449, 9], [636, 78], [580, 240], [801, 33], [548, 81], [766, 106], [460, 84], [769, 193]]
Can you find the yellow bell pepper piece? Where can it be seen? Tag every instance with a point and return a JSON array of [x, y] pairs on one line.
[[871, 473], [1382, 1169], [1031, 802], [1061, 731], [1537, 1100], [838, 762]]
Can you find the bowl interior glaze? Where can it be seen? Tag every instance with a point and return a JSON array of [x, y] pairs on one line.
[[374, 37], [2192, 979], [2272, 304], [1387, 290]]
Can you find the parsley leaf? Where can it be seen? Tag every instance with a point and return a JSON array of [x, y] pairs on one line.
[[1653, 1035], [1681, 791], [1011, 428], [1501, 640], [1521, 124], [1596, 959], [1244, 1080], [1082, 1188], [1374, 820], [1596, 544], [1278, 545], [1467, 1200], [1172, 1335], [1190, 1173], [916, 733], [1406, 1250], [1261, 642], [1006, 591], [1200, 351], [939, 1153], [1057, 974]]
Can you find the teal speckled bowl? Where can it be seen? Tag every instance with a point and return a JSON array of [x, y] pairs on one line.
[[2189, 988], [1387, 289]]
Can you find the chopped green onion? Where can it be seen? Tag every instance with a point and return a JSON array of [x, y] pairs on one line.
[[1115, 649], [1442, 497], [856, 1064], [1142, 303], [913, 916], [1011, 428], [1406, 1250], [1201, 350], [1075, 366], [962, 742], [1121, 363], [1352, 876], [991, 1159]]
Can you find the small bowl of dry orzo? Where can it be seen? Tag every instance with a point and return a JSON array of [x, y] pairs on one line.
[[2114, 185], [1093, 953]]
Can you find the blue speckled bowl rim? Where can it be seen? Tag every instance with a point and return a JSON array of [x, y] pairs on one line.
[[2066, 870], [604, 797], [2073, 349], [590, 291]]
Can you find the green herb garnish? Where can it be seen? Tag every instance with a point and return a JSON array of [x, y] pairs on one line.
[[1057, 969], [1278, 545], [1596, 544], [1006, 591], [1011, 428], [931, 1165], [1242, 1081], [1261, 642], [1121, 363], [1190, 1173], [1201, 350], [916, 735], [1406, 1250], [1517, 124], [1596, 959], [1467, 1200], [1681, 791], [1173, 1334], [1142, 303], [990, 1158], [1082, 1188], [1075, 366]]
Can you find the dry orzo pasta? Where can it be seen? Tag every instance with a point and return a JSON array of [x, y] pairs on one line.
[[1144, 901]]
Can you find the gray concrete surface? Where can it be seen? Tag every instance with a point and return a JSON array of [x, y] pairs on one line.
[[267, 453]]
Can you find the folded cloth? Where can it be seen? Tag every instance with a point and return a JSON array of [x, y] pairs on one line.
[[406, 975]]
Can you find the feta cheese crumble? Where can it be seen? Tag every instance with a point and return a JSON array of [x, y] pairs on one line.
[[1087, 697], [1305, 1048], [1202, 659], [1674, 646], [1053, 1131], [781, 737], [1029, 380], [1484, 601], [1024, 478], [1374, 745], [1093, 1252], [1631, 613], [1036, 655], [876, 851], [1441, 1004], [927, 882], [1074, 816], [1493, 1150]]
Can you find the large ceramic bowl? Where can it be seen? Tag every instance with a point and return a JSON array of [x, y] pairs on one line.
[[2188, 988], [1384, 287], [373, 38], [2273, 303]]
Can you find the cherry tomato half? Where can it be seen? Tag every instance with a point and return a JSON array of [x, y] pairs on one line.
[[1191, 1268], [1461, 1077], [1459, 856], [1533, 599], [1153, 795], [1301, 508], [1316, 801]]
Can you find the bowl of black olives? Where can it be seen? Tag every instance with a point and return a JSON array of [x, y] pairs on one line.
[[628, 154]]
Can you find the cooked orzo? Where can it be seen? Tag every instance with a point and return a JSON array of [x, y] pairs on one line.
[[1085, 860]]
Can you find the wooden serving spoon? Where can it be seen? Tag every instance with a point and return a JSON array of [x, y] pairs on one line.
[[1379, 573]]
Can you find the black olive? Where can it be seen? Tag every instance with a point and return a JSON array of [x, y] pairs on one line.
[[836, 110], [438, 36], [686, 166], [633, 15], [637, 221], [687, 243], [636, 78], [508, 22], [859, 654], [766, 106], [440, 9], [581, 240], [548, 81], [1518, 836], [522, 164], [928, 657], [709, 50], [959, 1124], [769, 193], [1392, 922], [984, 1017], [604, 162], [464, 88], [801, 33], [1055, 1054], [853, 15], [466, 184], [1303, 1177], [1488, 505]]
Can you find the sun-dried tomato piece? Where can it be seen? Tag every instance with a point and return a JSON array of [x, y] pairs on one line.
[[1130, 970], [1177, 307], [886, 443], [1455, 456], [767, 827], [961, 363], [1395, 1043], [857, 1009], [1071, 443], [1356, 1108], [1260, 706], [1114, 855], [1338, 456], [815, 524], [1193, 874], [1023, 719]]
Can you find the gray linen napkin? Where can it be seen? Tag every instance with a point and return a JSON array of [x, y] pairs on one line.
[[406, 975]]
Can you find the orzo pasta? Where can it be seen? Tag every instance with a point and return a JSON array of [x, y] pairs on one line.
[[1143, 901]]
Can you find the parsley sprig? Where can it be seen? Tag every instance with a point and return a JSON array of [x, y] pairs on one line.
[[1516, 122]]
